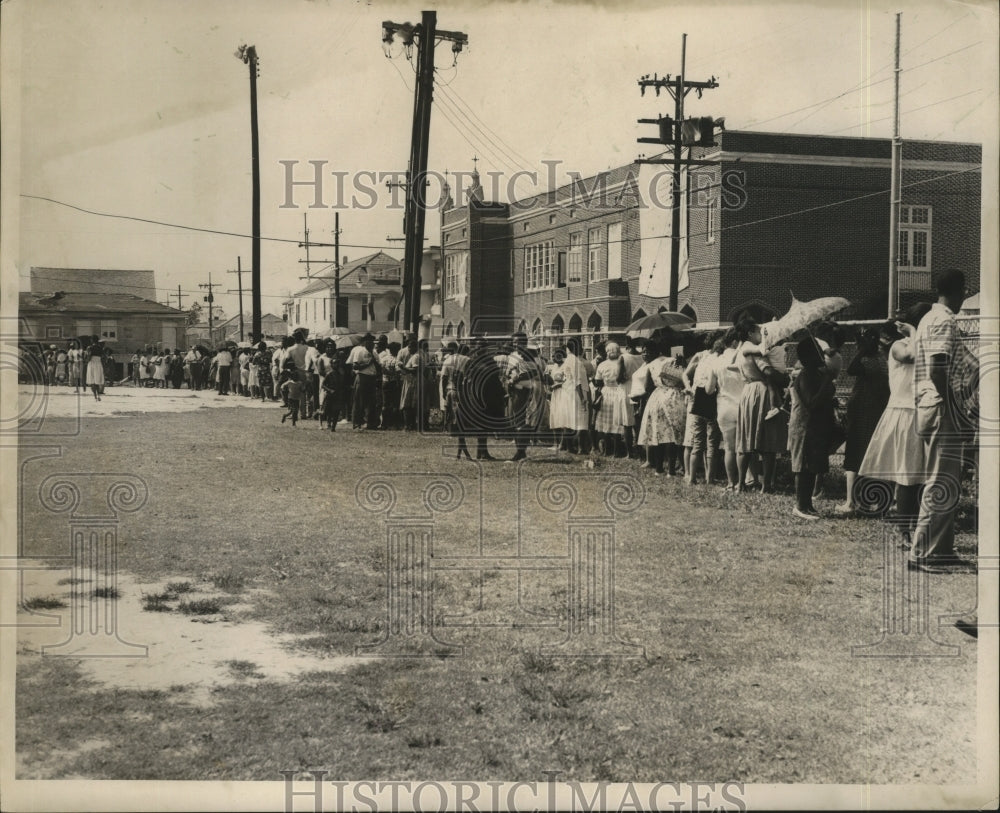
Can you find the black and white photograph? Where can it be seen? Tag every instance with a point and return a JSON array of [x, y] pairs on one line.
[[568, 405]]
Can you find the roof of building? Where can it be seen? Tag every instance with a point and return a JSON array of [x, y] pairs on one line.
[[350, 273], [139, 282], [232, 320], [92, 303]]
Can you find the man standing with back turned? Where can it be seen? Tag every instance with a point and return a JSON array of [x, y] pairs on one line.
[[936, 346]]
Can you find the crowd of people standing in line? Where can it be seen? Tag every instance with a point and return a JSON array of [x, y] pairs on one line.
[[85, 363], [722, 412]]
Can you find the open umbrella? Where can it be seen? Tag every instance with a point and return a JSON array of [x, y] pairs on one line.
[[800, 315], [348, 340], [648, 325]]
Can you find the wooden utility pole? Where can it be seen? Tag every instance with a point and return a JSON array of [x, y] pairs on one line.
[[210, 298], [897, 149], [336, 269], [672, 132], [239, 278], [426, 34], [179, 296], [248, 54]]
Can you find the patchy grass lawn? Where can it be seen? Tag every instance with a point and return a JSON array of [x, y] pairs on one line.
[[743, 620]]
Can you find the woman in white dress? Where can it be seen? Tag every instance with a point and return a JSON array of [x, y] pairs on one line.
[[162, 362], [145, 361], [665, 415], [555, 378], [95, 370], [896, 452], [575, 405], [614, 412]]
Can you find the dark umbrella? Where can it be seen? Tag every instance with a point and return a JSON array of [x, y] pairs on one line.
[[648, 325], [348, 340]]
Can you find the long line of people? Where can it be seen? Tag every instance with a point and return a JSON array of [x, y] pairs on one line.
[[713, 409], [724, 412]]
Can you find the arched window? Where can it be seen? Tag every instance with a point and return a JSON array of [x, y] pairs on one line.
[[594, 322], [522, 327], [536, 327], [557, 324], [687, 310], [575, 323], [461, 330], [639, 314], [449, 329]]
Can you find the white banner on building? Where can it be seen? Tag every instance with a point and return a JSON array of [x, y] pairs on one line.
[[655, 222]]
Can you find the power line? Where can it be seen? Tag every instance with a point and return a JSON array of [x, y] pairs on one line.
[[911, 110], [862, 86], [296, 241], [512, 152]]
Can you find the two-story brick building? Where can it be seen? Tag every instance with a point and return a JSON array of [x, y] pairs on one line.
[[777, 214]]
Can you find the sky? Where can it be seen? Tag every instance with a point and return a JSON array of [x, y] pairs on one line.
[[141, 109]]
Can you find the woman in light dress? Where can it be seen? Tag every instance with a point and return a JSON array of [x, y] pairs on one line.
[[730, 390], [95, 370], [614, 411], [665, 415], [553, 383], [758, 433], [576, 392], [896, 452], [75, 355], [160, 373]]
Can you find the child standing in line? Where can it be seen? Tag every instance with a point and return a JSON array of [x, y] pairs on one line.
[[333, 394], [291, 390]]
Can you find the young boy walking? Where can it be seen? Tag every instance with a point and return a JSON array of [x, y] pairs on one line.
[[291, 389]]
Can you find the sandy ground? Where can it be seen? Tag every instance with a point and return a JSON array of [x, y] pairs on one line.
[[62, 402], [188, 654]]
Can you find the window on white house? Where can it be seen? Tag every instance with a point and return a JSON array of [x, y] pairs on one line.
[[109, 329], [574, 269], [595, 237], [539, 266], [915, 248]]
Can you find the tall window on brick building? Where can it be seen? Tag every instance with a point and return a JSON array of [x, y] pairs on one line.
[[595, 237], [711, 213], [452, 271], [915, 248], [614, 251], [539, 266], [575, 260]]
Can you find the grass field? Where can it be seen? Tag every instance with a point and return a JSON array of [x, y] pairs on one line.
[[743, 620]]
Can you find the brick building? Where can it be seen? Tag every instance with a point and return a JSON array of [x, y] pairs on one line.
[[778, 214], [122, 321], [810, 214], [118, 305]]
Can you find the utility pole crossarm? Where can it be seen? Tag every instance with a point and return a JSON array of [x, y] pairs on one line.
[[676, 133], [423, 93]]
